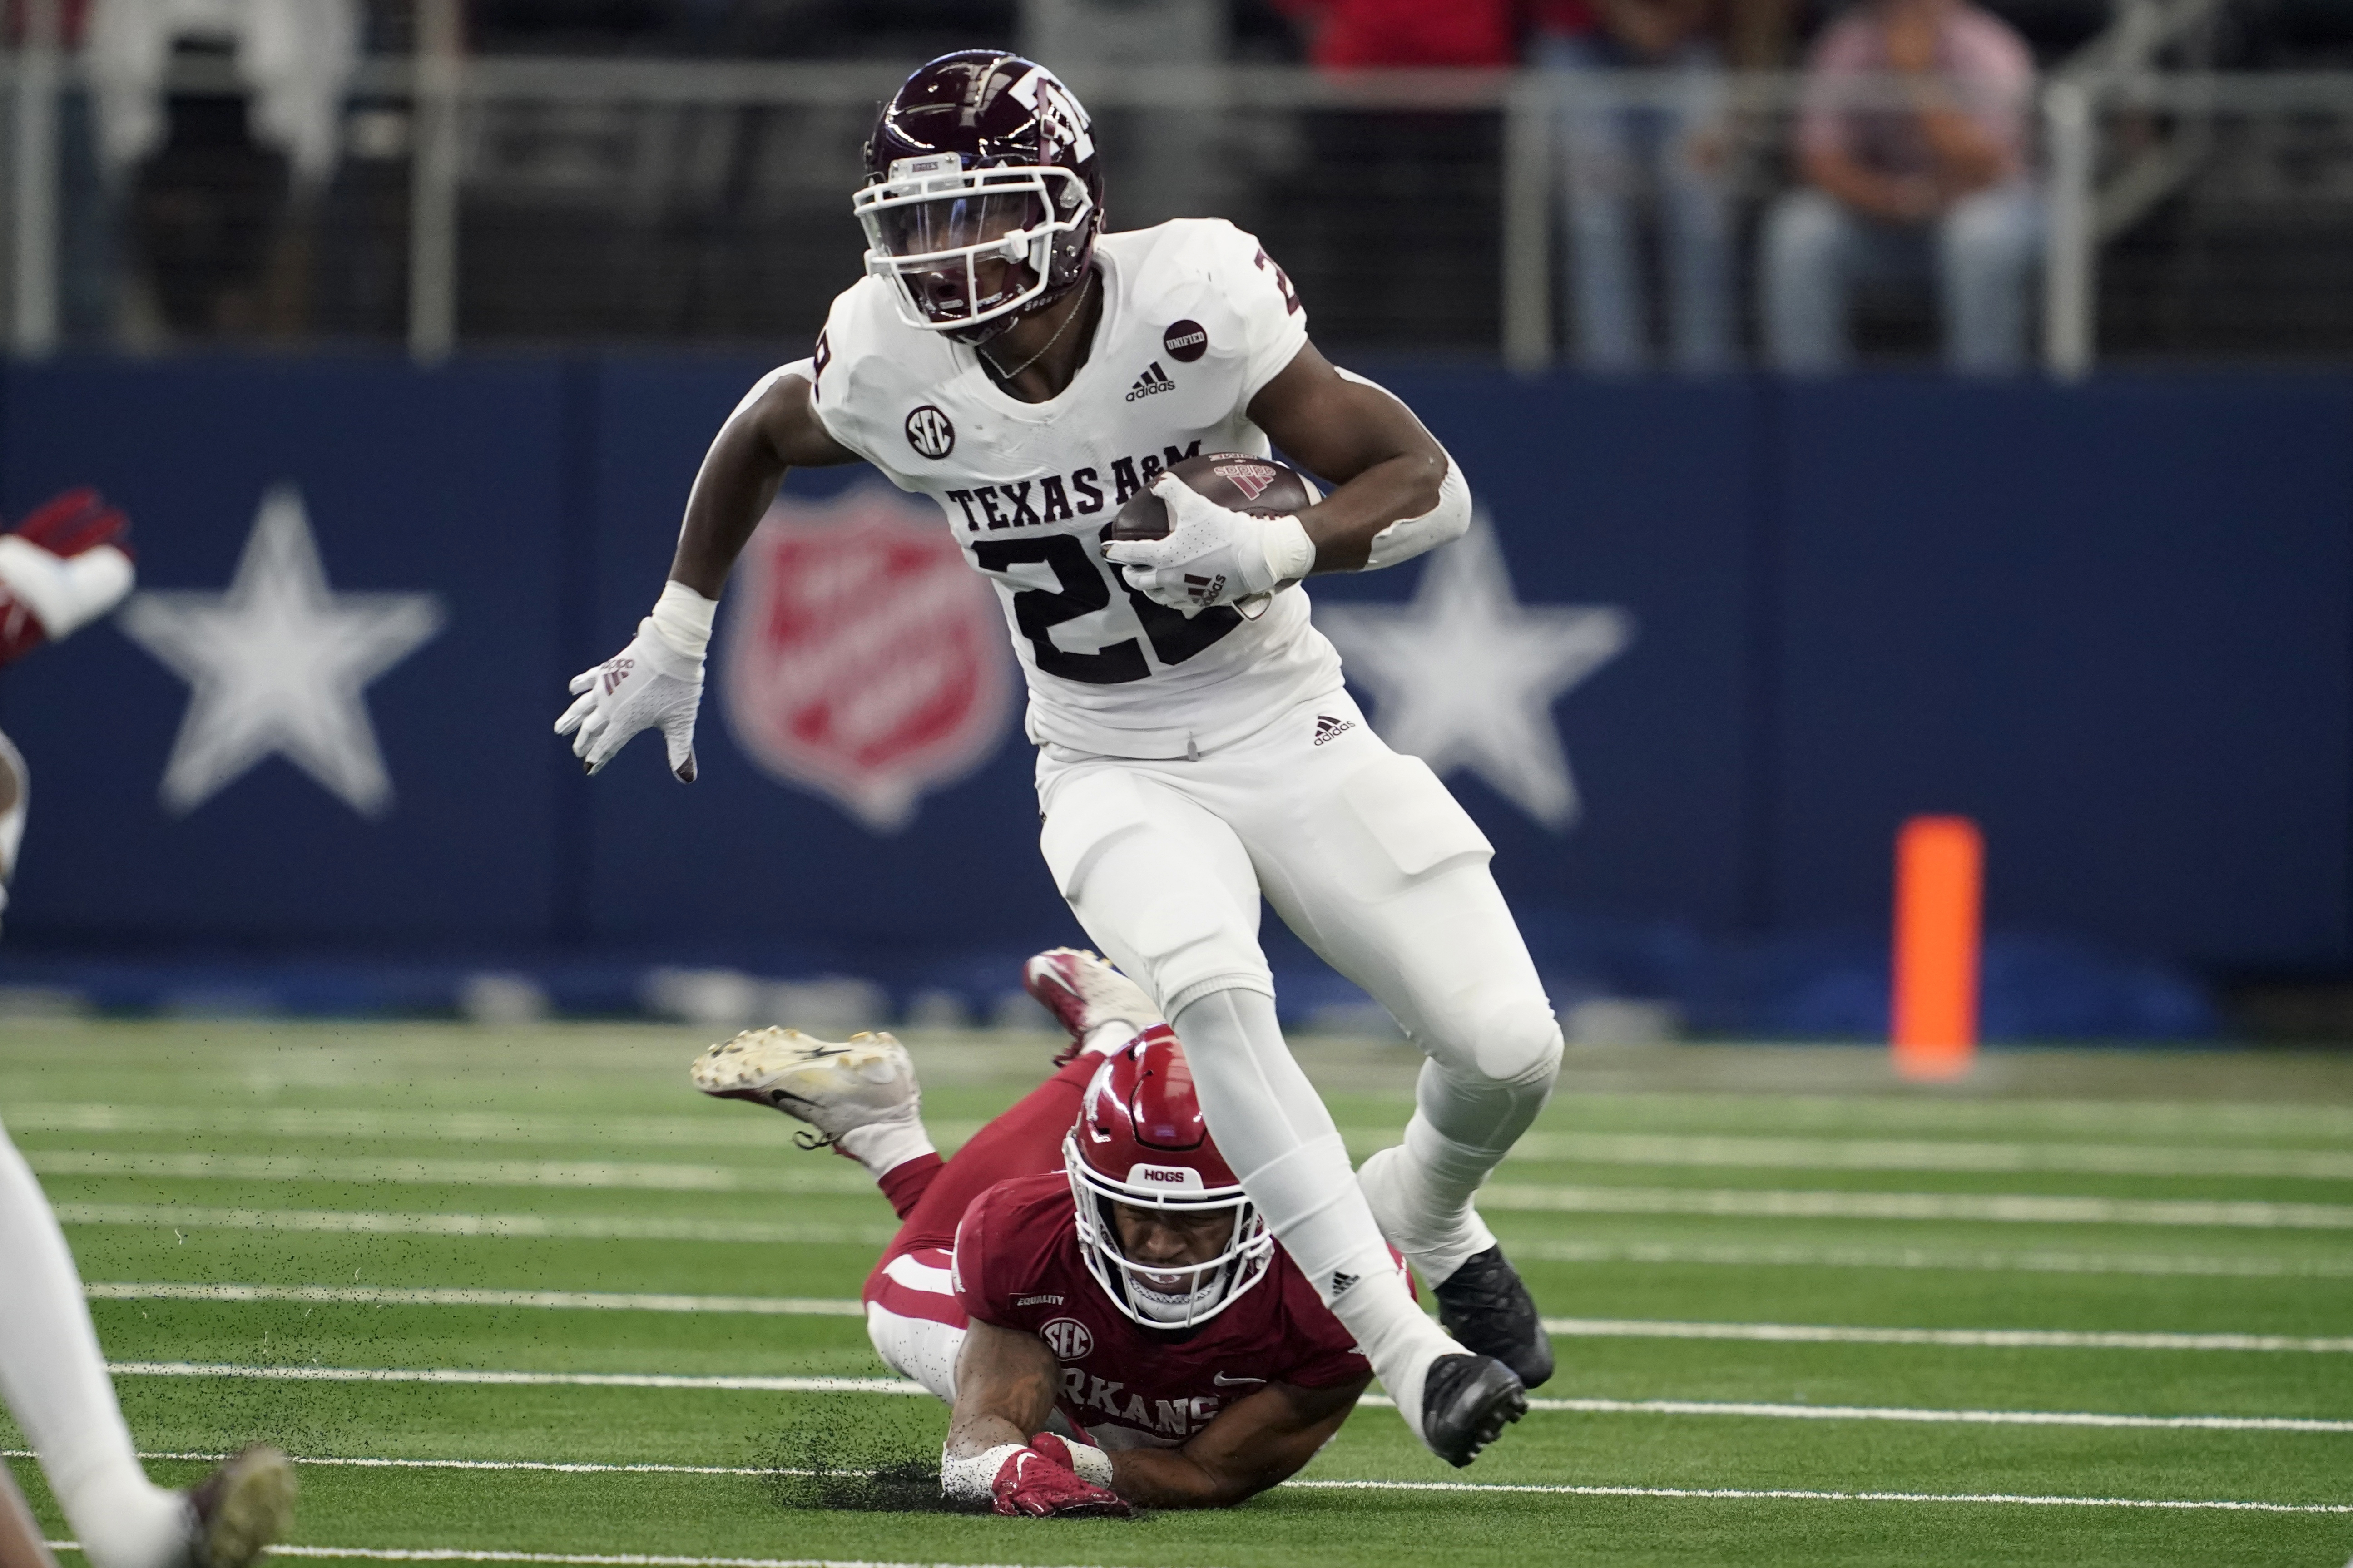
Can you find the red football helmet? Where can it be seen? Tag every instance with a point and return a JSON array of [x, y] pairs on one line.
[[1140, 1141], [984, 194]]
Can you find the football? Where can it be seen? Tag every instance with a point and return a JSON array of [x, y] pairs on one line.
[[1259, 486]]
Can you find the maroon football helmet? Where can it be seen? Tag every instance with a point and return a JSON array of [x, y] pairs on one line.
[[1140, 1140], [983, 195]]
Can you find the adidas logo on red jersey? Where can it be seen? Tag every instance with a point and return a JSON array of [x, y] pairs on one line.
[[1153, 379]]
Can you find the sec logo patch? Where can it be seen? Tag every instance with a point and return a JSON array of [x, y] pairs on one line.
[[930, 433], [1068, 1337]]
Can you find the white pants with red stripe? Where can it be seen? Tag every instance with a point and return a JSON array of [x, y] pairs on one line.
[[914, 1320]]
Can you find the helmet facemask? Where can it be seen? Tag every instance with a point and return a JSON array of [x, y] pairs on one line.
[[966, 249], [1158, 1295]]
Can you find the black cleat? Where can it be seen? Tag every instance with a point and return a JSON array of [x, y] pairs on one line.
[[1466, 1403], [1488, 1310], [238, 1510]]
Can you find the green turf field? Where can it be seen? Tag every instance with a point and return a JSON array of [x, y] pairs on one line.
[[2090, 1308]]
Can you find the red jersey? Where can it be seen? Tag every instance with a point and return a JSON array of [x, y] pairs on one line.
[[1018, 1266], [1344, 34]]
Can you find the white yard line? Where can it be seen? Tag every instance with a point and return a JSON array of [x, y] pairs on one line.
[[1704, 1494], [2069, 1121], [721, 1383], [1942, 1417], [903, 1387], [361, 1222], [2151, 1264], [1997, 1207], [562, 1301], [1933, 1154], [718, 1128], [832, 1176], [1498, 1198], [1794, 1495], [586, 1559], [551, 1467], [790, 1175], [1968, 1339], [1574, 1327], [2171, 1158]]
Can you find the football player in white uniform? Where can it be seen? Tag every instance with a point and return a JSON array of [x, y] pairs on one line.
[[60, 569], [1197, 750]]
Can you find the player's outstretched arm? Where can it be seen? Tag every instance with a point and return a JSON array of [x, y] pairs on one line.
[[1392, 478], [1252, 1445], [1005, 1393], [772, 431], [656, 682]]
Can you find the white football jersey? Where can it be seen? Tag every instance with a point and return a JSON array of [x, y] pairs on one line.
[[1195, 319]]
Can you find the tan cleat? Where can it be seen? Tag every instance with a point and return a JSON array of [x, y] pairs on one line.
[[238, 1510], [833, 1088]]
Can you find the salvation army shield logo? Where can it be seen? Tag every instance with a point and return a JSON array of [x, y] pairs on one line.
[[864, 660]]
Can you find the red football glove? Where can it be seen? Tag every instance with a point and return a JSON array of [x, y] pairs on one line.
[[77, 521], [65, 565], [1033, 1482]]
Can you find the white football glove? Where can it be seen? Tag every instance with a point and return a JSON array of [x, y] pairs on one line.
[[1212, 555], [649, 685]]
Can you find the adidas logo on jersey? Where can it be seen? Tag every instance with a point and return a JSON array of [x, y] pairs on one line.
[[1326, 727], [1153, 379]]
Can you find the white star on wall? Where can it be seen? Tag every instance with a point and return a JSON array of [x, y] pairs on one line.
[[1465, 675], [277, 664]]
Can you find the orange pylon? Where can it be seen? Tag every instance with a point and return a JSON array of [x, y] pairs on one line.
[[1939, 910]]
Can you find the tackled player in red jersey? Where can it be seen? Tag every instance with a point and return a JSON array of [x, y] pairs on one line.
[[1086, 1283]]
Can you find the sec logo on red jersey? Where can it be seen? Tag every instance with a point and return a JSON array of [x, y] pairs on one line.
[[863, 658], [1068, 1337]]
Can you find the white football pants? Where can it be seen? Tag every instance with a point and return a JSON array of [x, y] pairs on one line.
[[1366, 855], [54, 1381]]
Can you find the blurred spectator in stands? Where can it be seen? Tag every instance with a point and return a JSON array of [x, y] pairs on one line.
[[1394, 206], [1344, 34], [1164, 163], [222, 183], [1610, 151], [1913, 140]]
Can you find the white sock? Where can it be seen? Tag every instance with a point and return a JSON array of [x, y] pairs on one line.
[[1463, 1124], [884, 1146], [1273, 1130], [1104, 1038], [1421, 1194], [54, 1380]]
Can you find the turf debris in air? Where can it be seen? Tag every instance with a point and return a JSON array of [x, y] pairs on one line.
[[839, 1457]]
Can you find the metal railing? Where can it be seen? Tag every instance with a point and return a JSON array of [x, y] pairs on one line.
[[2117, 140]]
